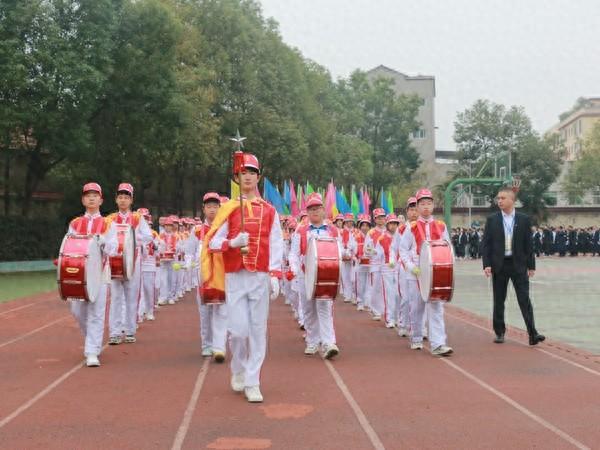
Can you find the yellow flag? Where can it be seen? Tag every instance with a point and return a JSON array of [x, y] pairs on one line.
[[234, 190]]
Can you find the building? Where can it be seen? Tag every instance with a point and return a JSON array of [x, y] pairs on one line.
[[430, 172]]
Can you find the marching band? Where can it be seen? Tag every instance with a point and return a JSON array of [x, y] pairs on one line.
[[241, 256]]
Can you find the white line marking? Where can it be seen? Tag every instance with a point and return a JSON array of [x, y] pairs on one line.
[[518, 406], [16, 309], [28, 404], [362, 419], [189, 411], [23, 336], [568, 361]]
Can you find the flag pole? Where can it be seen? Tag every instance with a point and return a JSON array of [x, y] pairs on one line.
[[238, 162]]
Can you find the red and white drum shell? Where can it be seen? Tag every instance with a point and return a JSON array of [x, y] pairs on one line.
[[123, 264], [211, 297], [436, 261], [79, 268], [322, 268]]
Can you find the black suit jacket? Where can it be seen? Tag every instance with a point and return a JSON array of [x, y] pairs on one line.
[[492, 245]]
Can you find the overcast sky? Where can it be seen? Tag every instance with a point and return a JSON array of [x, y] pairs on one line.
[[540, 54]]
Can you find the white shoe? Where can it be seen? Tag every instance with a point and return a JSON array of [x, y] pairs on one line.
[[425, 334], [140, 319], [331, 351], [442, 350], [130, 339], [347, 300], [311, 349], [162, 302], [354, 301], [253, 394], [171, 302], [207, 351], [360, 308], [376, 317], [390, 325], [402, 332], [237, 382], [150, 317], [416, 346], [92, 361]]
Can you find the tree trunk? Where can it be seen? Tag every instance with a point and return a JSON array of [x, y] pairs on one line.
[[7, 182], [35, 173]]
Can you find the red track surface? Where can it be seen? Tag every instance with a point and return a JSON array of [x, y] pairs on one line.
[[484, 396]]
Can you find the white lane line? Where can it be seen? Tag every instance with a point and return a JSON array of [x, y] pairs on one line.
[[23, 336], [568, 361], [362, 419], [191, 407], [28, 404], [518, 406], [3, 313]]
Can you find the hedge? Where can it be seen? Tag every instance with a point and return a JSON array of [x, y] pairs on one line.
[[26, 239]]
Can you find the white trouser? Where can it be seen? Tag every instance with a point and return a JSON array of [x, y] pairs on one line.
[[390, 294], [213, 325], [347, 288], [300, 293], [376, 294], [167, 281], [247, 296], [404, 309], [363, 281], [147, 298], [318, 319], [90, 317], [435, 312], [124, 298], [180, 280]]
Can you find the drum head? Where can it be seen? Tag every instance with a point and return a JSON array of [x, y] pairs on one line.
[[129, 254], [93, 270], [310, 268], [425, 265]]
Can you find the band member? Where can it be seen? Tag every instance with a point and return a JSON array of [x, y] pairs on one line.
[[318, 314], [403, 314], [362, 266], [375, 294], [245, 263], [338, 221], [90, 315], [125, 294], [348, 255], [389, 274], [148, 256], [291, 284], [213, 317], [424, 228], [168, 244]]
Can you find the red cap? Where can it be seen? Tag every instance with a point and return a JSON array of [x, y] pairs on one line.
[[364, 218], [223, 199], [211, 196], [168, 221], [143, 211], [125, 187], [378, 212], [314, 199], [348, 217], [391, 218], [246, 160], [339, 217], [411, 201], [423, 193], [92, 187]]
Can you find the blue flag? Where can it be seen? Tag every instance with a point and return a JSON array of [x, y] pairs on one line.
[[272, 195]]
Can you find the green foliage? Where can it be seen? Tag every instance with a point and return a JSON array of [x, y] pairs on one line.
[[584, 172], [30, 239], [488, 134]]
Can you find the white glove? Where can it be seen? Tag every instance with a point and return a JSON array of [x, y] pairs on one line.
[[391, 264], [274, 288], [241, 240]]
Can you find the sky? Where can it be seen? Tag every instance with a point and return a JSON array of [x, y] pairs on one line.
[[539, 54]]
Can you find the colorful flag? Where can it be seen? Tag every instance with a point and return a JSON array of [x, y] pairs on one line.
[[234, 190], [354, 206], [361, 202], [383, 201], [272, 195], [287, 200], [309, 189], [341, 202], [294, 209], [367, 201], [390, 202]]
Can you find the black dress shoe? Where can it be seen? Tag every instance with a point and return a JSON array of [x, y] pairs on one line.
[[534, 339], [499, 339]]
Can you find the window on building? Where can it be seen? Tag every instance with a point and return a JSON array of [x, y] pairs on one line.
[[596, 196], [418, 134], [480, 200]]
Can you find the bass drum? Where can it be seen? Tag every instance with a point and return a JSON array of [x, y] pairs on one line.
[[79, 268], [122, 265], [322, 268], [436, 261]]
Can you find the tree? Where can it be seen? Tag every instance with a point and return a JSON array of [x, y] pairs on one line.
[[585, 172], [488, 133]]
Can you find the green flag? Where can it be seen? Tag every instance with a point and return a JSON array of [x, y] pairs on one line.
[[309, 188], [390, 201], [354, 202]]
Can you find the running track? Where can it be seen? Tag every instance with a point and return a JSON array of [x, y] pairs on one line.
[[159, 393]]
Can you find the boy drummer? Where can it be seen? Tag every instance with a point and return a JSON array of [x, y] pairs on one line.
[[91, 315], [425, 228]]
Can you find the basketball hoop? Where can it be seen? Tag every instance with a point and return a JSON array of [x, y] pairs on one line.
[[516, 183]]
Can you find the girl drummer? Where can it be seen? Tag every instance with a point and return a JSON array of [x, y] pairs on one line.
[[424, 228]]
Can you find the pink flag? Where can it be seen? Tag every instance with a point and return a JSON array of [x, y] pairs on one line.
[[293, 200], [301, 198], [330, 200], [367, 200]]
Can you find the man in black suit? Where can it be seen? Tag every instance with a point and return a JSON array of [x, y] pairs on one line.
[[507, 252]]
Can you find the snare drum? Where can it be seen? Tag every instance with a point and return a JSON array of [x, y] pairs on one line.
[[79, 268], [436, 261], [122, 265], [322, 268]]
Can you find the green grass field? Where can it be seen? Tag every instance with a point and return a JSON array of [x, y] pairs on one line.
[[21, 284]]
